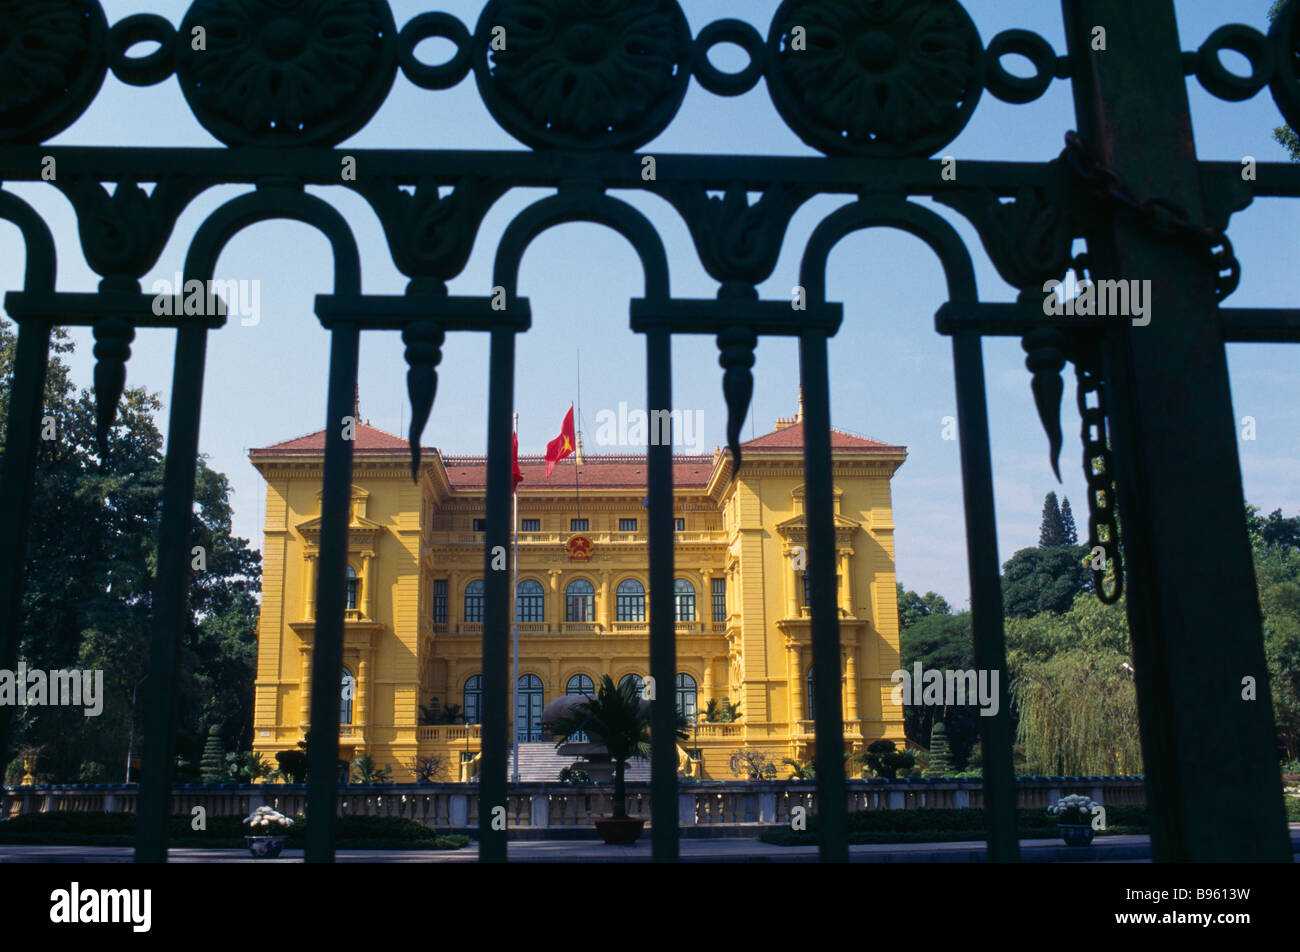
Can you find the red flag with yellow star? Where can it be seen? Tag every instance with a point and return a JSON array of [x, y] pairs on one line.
[[563, 445]]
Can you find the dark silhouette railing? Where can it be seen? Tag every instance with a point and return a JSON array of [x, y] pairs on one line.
[[877, 89]]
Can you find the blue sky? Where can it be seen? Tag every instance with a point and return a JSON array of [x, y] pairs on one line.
[[891, 374]]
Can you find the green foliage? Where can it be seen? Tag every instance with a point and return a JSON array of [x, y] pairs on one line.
[[752, 764], [933, 826], [365, 770], [913, 607], [1074, 697], [574, 774], [213, 766], [721, 712], [248, 767], [91, 772], [618, 718], [941, 642], [940, 765], [1051, 531], [293, 765], [429, 769], [223, 832], [1067, 524], [884, 759], [1044, 579], [92, 564], [800, 769]]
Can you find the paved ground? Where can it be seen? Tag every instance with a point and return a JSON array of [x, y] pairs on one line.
[[1115, 849]]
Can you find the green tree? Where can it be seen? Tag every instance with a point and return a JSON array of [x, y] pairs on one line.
[[1072, 690], [618, 718], [90, 573], [1067, 523], [1051, 532], [1044, 579], [913, 607], [940, 764], [942, 643], [212, 769]]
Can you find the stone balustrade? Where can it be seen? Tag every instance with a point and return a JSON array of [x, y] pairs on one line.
[[717, 805]]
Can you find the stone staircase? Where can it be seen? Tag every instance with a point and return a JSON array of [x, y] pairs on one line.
[[539, 762]]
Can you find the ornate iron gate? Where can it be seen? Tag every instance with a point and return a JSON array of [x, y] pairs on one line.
[[876, 86]]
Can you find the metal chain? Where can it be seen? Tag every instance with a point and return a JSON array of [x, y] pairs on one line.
[[1160, 214], [1099, 474]]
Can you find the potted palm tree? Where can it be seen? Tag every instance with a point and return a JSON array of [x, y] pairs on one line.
[[618, 718]]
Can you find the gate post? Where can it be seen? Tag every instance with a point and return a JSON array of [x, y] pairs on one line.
[[1210, 756], [327, 656]]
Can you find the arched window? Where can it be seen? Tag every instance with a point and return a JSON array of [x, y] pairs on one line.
[[530, 601], [683, 600], [350, 586], [473, 698], [580, 684], [349, 692], [528, 711], [580, 601], [630, 601], [635, 679], [686, 696], [812, 697], [474, 601]]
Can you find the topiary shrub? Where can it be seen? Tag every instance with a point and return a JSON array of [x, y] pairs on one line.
[[940, 764], [212, 767], [884, 759]]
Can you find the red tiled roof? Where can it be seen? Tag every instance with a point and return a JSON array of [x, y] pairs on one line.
[[367, 439], [790, 438], [596, 472]]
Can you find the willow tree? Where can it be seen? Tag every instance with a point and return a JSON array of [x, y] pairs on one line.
[[1073, 693]]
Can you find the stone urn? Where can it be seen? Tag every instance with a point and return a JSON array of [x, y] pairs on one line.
[[1076, 834], [265, 847]]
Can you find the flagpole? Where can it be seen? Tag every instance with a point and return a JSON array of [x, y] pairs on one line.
[[515, 614], [577, 439]]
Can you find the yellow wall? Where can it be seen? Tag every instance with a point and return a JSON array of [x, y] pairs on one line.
[[405, 536]]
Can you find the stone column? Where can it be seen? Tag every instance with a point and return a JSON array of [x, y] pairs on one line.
[[367, 583], [851, 686], [455, 601], [603, 610], [704, 609], [305, 681], [309, 588], [361, 714], [846, 581], [706, 684], [791, 590], [796, 686], [557, 601]]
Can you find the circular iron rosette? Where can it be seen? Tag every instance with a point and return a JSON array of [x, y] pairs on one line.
[[875, 78], [1284, 36], [286, 72], [52, 62], [583, 74]]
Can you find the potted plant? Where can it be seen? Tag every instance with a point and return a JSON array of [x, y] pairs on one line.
[[619, 719], [268, 829], [1074, 819]]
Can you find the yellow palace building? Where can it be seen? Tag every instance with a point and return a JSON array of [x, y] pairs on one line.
[[414, 600]]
